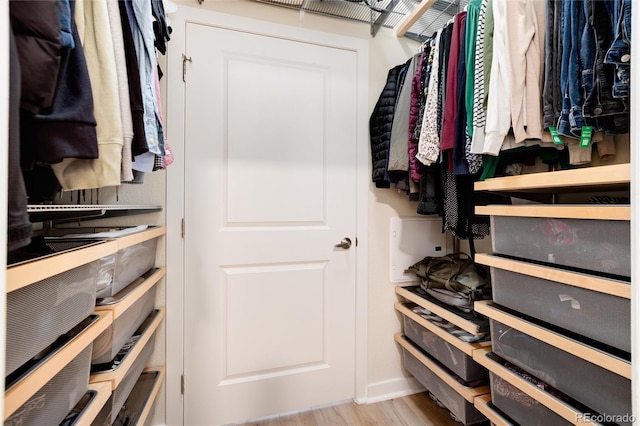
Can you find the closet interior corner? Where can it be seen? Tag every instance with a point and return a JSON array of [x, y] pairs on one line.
[[527, 142]]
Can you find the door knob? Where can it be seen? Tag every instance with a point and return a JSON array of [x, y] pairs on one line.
[[345, 243]]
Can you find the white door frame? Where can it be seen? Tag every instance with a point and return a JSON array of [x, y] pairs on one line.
[[175, 105]]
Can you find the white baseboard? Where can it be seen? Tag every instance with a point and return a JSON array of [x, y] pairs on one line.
[[389, 389]]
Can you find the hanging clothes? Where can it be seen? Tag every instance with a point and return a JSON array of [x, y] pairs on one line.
[[448, 133], [140, 18], [380, 124], [92, 20], [482, 70], [68, 128], [415, 110], [126, 171], [429, 141], [473, 160], [498, 118], [551, 95], [139, 142], [37, 30], [525, 26], [485, 109], [457, 156], [399, 144]]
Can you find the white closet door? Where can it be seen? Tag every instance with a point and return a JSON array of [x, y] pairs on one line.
[[270, 189]]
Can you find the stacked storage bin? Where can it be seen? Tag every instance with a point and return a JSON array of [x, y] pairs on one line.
[[127, 294], [50, 328], [560, 315], [437, 348], [56, 335]]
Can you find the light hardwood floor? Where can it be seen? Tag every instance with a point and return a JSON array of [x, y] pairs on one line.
[[410, 410]]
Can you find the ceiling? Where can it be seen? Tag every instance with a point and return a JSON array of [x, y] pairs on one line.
[[381, 13]]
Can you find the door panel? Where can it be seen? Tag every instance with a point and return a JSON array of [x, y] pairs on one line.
[[270, 188], [282, 347], [285, 100]]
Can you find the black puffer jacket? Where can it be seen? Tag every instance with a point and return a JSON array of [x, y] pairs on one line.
[[380, 124], [37, 29]]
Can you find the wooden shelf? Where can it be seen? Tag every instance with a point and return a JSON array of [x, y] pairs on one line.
[[465, 347], [140, 237], [20, 393], [411, 18], [559, 407], [584, 179], [467, 393], [482, 404], [576, 279], [24, 274], [91, 411], [588, 353], [453, 318], [117, 376], [559, 211]]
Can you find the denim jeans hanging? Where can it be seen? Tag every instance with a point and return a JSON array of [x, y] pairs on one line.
[[619, 54], [600, 102]]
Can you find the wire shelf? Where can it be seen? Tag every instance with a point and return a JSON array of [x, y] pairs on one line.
[[380, 13]]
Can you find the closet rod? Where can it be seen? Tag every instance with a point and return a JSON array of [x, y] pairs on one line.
[[412, 17]]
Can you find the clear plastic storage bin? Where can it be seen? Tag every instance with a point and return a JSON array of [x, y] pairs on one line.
[[38, 314], [451, 357], [53, 402], [108, 344], [122, 390], [117, 270], [601, 390], [521, 407], [594, 245], [463, 410], [598, 316], [131, 411], [126, 265]]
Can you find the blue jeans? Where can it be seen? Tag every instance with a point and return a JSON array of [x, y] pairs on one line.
[[619, 52], [587, 52], [551, 91], [573, 21], [600, 101]]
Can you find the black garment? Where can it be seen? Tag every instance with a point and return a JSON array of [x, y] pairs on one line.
[[460, 200], [18, 226], [160, 28], [398, 177], [139, 142], [68, 129], [443, 62], [37, 31], [380, 124], [551, 92], [430, 200], [458, 159]]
